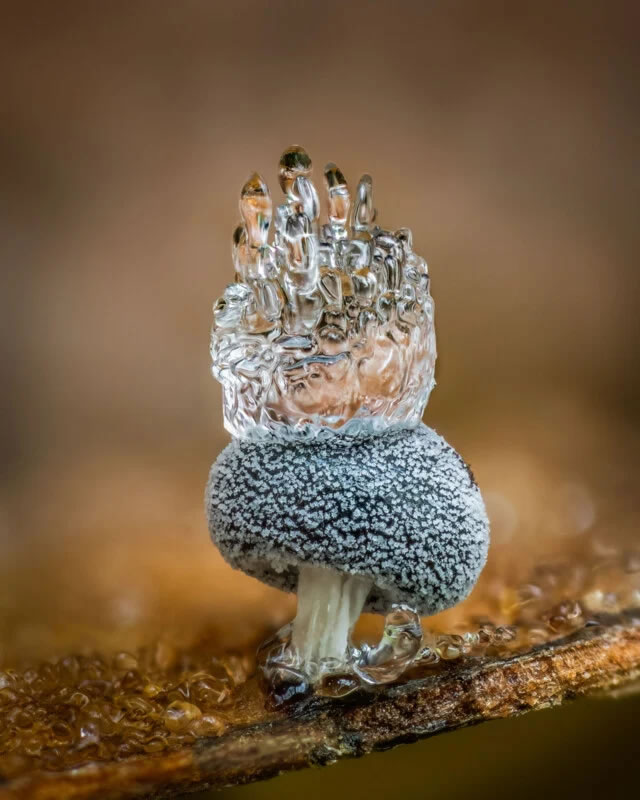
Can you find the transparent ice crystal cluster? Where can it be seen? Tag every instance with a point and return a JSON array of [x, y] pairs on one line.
[[327, 326]]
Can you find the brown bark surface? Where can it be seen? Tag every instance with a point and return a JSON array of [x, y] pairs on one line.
[[597, 659]]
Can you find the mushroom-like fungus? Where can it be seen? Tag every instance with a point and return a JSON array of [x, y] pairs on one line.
[[332, 486]]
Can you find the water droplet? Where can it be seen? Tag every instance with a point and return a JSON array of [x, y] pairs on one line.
[[179, 715], [287, 686], [331, 287], [228, 312], [207, 690], [303, 311], [89, 735], [397, 649], [256, 210], [152, 690], [61, 734], [364, 285], [449, 646], [364, 213], [208, 725], [293, 162], [136, 707], [339, 198], [352, 254], [337, 685], [79, 699], [270, 299], [505, 634], [405, 237], [428, 657]]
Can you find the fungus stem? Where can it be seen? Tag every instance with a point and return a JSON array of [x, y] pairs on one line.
[[329, 604]]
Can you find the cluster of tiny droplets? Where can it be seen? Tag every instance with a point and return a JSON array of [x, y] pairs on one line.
[[71, 711], [329, 324], [67, 712], [557, 601]]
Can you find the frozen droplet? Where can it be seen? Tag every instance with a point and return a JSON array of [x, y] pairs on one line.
[[294, 161], [332, 340], [246, 258], [331, 287], [256, 321], [367, 320], [394, 273], [352, 254], [282, 214], [303, 311], [364, 213], [297, 225], [386, 244], [270, 298], [364, 285], [229, 310], [396, 650], [346, 266], [256, 210], [305, 198], [405, 237], [334, 179], [339, 197], [386, 306], [326, 254], [409, 312], [302, 255]]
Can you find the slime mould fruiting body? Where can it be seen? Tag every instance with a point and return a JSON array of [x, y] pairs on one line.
[[332, 487]]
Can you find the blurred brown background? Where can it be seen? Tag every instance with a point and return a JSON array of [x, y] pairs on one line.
[[503, 134]]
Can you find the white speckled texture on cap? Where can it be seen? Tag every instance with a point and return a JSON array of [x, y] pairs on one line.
[[401, 508]]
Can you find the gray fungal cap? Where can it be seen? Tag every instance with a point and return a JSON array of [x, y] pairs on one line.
[[401, 509]]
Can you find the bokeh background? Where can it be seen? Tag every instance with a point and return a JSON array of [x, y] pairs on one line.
[[503, 134]]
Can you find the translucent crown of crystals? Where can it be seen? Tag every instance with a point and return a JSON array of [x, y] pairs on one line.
[[328, 326]]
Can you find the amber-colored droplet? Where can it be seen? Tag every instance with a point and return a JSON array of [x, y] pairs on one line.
[[207, 725], [179, 715], [152, 690], [338, 685]]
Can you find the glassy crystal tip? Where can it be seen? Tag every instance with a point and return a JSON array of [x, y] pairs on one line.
[[350, 298]]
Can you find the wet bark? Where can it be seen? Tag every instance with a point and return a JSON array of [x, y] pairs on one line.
[[601, 659]]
